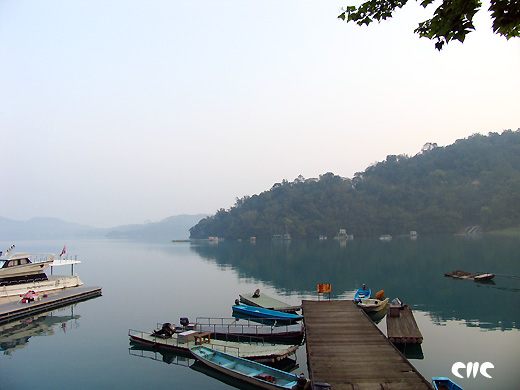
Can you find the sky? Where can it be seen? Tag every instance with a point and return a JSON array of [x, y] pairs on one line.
[[120, 112]]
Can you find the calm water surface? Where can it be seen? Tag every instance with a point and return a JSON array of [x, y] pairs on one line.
[[148, 283]]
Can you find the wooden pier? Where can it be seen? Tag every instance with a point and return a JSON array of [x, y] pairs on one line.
[[348, 351], [15, 310], [402, 328]]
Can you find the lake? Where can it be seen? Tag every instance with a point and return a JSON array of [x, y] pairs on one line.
[[145, 283]]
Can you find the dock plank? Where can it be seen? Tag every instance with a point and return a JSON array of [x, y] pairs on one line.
[[347, 350]]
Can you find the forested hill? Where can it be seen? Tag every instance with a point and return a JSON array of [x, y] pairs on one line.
[[475, 181]]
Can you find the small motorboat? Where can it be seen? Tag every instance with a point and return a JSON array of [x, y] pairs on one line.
[[443, 383], [254, 311], [370, 304], [257, 374], [362, 293]]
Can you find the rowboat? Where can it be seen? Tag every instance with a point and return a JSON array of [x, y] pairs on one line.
[[254, 311], [371, 305], [362, 293], [257, 374], [443, 383]]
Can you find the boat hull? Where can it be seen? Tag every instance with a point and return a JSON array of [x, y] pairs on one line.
[[443, 383], [51, 284], [372, 305], [254, 311], [245, 370]]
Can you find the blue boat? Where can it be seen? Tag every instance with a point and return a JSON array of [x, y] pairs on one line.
[[245, 370], [362, 293], [254, 311], [443, 383]]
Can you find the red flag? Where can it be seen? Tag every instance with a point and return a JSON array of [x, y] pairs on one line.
[[63, 251]]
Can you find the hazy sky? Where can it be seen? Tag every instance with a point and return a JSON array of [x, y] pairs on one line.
[[116, 112]]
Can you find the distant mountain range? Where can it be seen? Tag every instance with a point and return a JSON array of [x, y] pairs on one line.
[[175, 227]]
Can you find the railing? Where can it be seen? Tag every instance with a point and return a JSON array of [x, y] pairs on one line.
[[231, 326], [174, 342]]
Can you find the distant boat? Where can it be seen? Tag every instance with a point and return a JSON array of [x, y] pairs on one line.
[[442, 383], [371, 305], [458, 274], [257, 374], [385, 237], [362, 293], [254, 311]]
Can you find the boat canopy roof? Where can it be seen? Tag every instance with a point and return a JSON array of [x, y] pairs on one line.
[[17, 256]]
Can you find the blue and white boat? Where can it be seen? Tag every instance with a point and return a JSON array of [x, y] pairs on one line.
[[254, 311], [257, 374], [443, 383], [362, 293]]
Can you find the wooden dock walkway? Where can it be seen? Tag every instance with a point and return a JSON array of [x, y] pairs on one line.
[[346, 350], [13, 311]]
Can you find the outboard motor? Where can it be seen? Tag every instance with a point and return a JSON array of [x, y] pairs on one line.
[[302, 383], [184, 321]]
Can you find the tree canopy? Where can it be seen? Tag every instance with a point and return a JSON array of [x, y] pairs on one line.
[[453, 19], [475, 181]]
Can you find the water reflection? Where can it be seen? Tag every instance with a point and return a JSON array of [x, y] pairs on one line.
[[160, 355], [187, 360], [412, 270], [411, 351], [15, 335]]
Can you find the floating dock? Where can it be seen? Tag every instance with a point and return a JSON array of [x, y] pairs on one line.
[[401, 327], [182, 342], [15, 310], [348, 351]]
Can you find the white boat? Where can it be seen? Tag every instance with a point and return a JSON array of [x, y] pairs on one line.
[[257, 374], [19, 268], [371, 304], [23, 272]]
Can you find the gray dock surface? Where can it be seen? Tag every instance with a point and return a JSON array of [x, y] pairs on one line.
[[346, 350], [15, 310], [403, 329]]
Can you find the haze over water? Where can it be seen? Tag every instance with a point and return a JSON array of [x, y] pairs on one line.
[[148, 283]]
